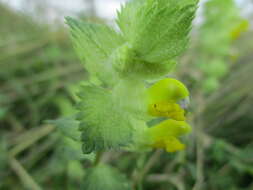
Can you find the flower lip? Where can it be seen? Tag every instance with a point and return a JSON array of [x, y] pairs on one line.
[[167, 133], [167, 109]]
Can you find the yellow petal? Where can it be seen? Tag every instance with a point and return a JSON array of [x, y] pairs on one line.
[[167, 109], [173, 145], [165, 135], [167, 128], [170, 144]]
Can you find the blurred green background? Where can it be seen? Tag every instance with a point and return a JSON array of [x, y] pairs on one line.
[[40, 74]]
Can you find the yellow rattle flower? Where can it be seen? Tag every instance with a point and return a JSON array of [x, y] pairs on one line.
[[164, 99], [165, 135], [239, 29]]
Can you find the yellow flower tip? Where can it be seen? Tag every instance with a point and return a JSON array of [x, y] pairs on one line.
[[167, 89], [168, 98], [173, 145], [238, 30], [167, 109]]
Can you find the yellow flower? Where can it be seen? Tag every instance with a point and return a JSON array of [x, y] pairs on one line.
[[238, 30], [164, 98], [165, 135]]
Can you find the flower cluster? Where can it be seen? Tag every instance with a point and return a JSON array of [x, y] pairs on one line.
[[168, 98]]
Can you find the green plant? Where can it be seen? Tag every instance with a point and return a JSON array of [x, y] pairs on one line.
[[127, 86]]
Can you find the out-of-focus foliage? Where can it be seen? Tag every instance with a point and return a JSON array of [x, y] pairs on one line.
[[38, 74], [222, 55], [105, 177], [222, 26]]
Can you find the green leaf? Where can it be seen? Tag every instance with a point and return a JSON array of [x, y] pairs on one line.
[[94, 44], [103, 177], [70, 149], [129, 65], [68, 126], [127, 15], [157, 30], [103, 121]]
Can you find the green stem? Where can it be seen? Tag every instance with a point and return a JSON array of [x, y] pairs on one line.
[[23, 175], [149, 164], [35, 135], [98, 158]]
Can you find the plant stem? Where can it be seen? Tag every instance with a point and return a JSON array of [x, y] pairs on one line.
[[98, 158], [149, 164], [24, 176], [34, 137]]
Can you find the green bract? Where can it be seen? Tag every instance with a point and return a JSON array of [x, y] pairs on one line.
[[101, 118], [95, 43], [114, 102], [156, 30]]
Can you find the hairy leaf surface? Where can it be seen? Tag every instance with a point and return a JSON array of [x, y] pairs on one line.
[[104, 123], [94, 44], [157, 30]]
